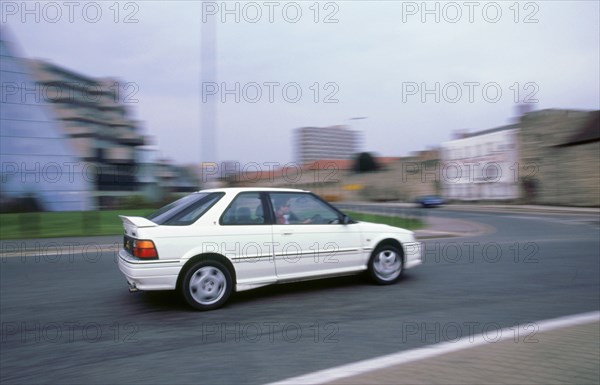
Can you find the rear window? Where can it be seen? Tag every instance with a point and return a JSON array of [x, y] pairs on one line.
[[186, 210]]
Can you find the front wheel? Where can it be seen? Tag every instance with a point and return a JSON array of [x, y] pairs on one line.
[[207, 285], [386, 265]]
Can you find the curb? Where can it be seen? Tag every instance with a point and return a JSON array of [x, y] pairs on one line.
[[493, 208], [60, 251], [58, 246], [524, 209]]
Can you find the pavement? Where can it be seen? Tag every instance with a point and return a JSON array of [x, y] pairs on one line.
[[565, 356], [563, 351]]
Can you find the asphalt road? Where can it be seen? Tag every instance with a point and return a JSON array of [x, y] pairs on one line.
[[70, 319]]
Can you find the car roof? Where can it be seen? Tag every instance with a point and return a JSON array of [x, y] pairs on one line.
[[250, 189]]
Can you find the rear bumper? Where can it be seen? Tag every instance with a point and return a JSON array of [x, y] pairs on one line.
[[148, 275]]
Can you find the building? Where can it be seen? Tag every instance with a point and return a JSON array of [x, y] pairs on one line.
[[481, 166], [68, 140], [550, 157], [94, 115], [40, 165], [560, 157], [315, 143]]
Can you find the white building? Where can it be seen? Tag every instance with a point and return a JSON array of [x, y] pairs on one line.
[[317, 143], [481, 166]]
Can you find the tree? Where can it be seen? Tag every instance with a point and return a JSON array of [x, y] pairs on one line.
[[365, 162]]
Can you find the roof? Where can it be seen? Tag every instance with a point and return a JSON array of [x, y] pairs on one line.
[[492, 130], [236, 190]]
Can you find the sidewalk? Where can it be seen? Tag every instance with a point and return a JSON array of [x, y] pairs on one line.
[[565, 356], [562, 350]]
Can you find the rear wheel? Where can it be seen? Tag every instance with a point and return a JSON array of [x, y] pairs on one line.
[[207, 285], [386, 265]]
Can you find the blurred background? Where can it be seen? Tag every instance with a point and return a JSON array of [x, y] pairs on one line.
[[128, 105]]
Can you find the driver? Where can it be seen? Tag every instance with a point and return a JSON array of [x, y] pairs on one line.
[[284, 214]]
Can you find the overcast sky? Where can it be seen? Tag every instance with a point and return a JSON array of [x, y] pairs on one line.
[[347, 58]]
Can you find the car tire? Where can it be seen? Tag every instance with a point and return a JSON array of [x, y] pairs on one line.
[[386, 265], [207, 285]]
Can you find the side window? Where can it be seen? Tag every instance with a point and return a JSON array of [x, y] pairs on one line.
[[294, 208], [246, 209], [186, 210]]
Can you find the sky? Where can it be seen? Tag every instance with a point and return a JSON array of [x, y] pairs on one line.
[[416, 71]]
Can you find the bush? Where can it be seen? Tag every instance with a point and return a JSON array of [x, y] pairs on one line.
[[26, 204]]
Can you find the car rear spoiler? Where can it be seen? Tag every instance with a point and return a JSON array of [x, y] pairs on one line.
[[137, 221]]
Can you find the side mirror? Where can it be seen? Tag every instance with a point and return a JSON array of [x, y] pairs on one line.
[[346, 219]]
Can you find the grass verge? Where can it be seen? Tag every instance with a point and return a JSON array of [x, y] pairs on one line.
[[410, 223], [64, 224], [94, 223]]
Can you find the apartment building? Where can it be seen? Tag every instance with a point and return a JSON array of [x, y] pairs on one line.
[[316, 143]]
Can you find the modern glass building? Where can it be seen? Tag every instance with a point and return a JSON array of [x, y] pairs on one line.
[[37, 160]]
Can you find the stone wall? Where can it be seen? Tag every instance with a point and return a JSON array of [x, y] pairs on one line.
[[551, 171]]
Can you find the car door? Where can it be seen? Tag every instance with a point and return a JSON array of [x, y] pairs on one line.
[[310, 238], [246, 238]]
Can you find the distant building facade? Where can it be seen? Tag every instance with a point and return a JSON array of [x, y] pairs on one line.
[[316, 143], [481, 166], [550, 157], [95, 117]]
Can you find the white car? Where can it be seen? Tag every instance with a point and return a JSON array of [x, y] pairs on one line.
[[212, 242]]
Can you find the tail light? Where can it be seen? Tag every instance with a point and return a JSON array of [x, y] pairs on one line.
[[144, 249]]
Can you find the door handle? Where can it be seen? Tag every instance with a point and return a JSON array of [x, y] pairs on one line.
[[287, 232]]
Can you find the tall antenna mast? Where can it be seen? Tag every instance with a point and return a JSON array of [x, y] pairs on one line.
[[208, 73]]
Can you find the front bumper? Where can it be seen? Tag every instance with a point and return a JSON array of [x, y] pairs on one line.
[[148, 275], [413, 254]]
